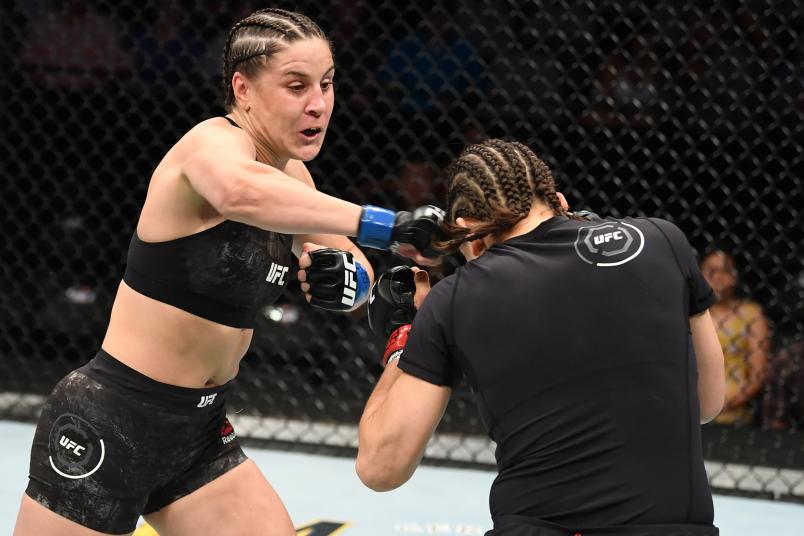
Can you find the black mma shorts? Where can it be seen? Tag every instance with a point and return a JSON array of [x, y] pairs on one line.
[[112, 444], [526, 526]]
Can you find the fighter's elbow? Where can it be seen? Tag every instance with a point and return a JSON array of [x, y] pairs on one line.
[[377, 482], [711, 406], [379, 476]]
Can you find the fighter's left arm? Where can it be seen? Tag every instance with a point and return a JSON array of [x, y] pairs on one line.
[[403, 410], [398, 421]]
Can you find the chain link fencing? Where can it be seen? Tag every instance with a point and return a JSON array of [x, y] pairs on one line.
[[687, 111]]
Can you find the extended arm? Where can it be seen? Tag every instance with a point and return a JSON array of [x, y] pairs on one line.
[[223, 170], [299, 171]]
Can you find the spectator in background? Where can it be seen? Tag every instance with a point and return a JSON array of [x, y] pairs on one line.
[[71, 47], [626, 90], [209, 62], [432, 66], [74, 73], [416, 183], [783, 405], [743, 333], [167, 45], [726, 65]]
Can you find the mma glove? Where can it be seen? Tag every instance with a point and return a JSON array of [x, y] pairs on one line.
[[337, 281], [391, 309], [587, 215], [384, 229]]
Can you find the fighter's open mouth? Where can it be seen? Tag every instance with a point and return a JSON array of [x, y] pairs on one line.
[[311, 131]]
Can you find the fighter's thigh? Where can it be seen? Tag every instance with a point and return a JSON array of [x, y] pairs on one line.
[[36, 520], [81, 457], [239, 502]]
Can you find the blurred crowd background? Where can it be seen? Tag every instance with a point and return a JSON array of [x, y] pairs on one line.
[[691, 111]]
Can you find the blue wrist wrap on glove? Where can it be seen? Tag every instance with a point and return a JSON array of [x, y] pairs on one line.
[[376, 227], [363, 284]]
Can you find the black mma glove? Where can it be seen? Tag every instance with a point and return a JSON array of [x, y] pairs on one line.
[[418, 228], [383, 229], [587, 215], [337, 281], [391, 309]]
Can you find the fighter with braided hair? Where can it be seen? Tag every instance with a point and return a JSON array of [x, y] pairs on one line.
[[141, 429], [588, 346]]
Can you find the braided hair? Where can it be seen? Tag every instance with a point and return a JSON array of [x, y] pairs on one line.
[[496, 183], [253, 41]]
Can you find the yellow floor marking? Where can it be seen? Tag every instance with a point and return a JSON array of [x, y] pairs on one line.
[[145, 530]]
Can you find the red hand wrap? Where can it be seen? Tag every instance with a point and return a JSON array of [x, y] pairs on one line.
[[396, 342]]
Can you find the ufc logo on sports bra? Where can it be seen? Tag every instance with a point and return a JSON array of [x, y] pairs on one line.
[[277, 274], [349, 281], [206, 400]]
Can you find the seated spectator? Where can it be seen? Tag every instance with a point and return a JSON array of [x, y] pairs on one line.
[[71, 47], [167, 47], [743, 333], [432, 67], [626, 90], [418, 182], [783, 407]]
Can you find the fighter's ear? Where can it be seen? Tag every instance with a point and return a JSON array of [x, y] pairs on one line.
[[478, 246], [563, 201]]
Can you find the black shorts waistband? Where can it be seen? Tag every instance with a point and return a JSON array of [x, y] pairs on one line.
[[107, 370], [503, 524]]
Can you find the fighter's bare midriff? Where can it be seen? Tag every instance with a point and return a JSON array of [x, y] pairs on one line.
[[170, 345], [164, 342]]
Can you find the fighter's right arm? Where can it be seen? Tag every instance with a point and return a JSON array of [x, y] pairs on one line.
[[223, 170], [711, 368]]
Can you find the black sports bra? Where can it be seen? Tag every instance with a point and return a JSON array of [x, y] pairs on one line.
[[224, 273]]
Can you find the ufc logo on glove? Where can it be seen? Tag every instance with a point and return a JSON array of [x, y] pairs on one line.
[[349, 281], [337, 281]]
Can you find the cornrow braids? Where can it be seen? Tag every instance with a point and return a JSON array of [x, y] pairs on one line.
[[467, 198], [496, 183], [499, 175], [253, 40], [545, 185], [301, 21], [477, 166], [518, 192]]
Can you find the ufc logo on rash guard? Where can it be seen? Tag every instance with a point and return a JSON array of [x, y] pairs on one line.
[[277, 274], [70, 444], [349, 281]]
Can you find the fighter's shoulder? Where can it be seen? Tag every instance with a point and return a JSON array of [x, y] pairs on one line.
[[668, 229], [442, 291], [652, 221], [216, 134]]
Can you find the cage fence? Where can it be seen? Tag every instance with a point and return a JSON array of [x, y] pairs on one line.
[[687, 111]]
